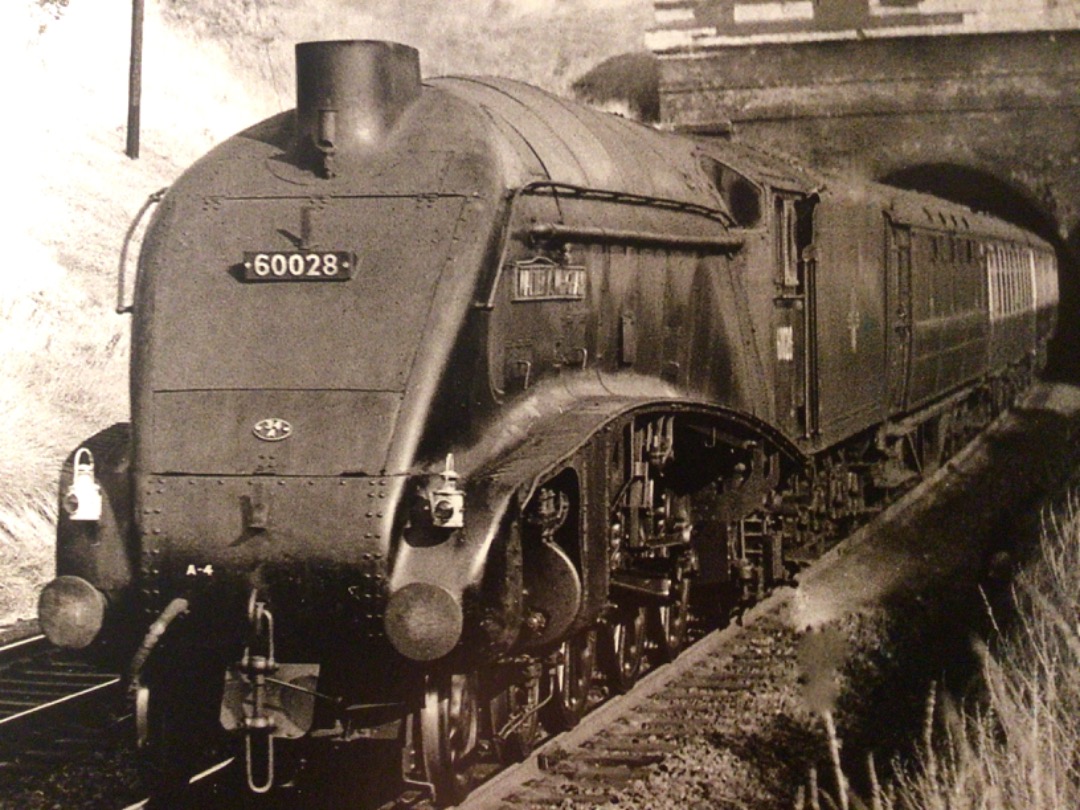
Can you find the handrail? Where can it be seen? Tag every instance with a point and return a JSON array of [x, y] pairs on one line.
[[554, 230], [122, 307], [627, 198]]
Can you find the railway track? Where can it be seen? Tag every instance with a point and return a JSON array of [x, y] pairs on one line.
[[723, 678], [51, 703]]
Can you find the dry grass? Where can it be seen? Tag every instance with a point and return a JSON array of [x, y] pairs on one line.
[[1018, 748], [59, 382], [549, 43]]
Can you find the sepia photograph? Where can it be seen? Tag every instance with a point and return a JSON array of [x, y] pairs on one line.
[[540, 405]]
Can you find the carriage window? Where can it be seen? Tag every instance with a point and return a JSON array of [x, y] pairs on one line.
[[1010, 288], [1005, 297], [994, 279], [1012, 280]]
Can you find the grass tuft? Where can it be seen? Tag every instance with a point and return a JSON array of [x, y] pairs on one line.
[[1016, 748]]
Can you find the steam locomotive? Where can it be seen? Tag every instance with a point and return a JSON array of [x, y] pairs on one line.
[[448, 396]]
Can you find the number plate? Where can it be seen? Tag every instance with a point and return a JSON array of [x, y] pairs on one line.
[[298, 265]]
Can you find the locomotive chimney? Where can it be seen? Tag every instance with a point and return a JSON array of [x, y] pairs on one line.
[[350, 93]]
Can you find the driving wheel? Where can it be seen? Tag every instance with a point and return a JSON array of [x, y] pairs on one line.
[[623, 647], [668, 622], [571, 678]]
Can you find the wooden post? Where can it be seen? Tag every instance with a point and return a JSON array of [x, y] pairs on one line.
[[135, 79]]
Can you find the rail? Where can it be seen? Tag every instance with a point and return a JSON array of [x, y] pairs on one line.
[[36, 677]]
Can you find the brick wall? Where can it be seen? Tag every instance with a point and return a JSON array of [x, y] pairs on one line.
[[692, 25]]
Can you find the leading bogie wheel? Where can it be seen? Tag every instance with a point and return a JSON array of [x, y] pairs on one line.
[[178, 729], [449, 730]]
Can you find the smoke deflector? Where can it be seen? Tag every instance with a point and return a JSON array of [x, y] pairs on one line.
[[349, 95]]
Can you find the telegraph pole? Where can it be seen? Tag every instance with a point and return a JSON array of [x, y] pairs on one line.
[[135, 79]]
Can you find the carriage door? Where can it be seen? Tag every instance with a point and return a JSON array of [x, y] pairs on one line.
[[898, 312], [796, 392]]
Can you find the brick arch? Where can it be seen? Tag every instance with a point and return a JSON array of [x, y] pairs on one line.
[[982, 191]]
